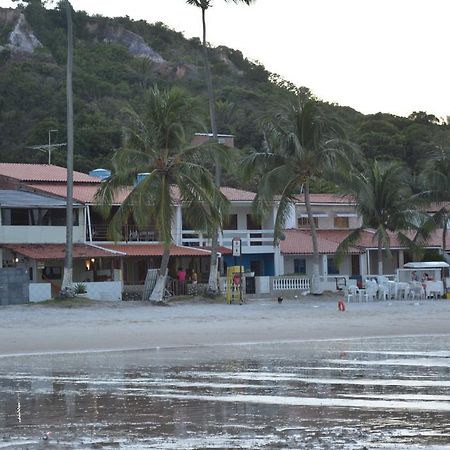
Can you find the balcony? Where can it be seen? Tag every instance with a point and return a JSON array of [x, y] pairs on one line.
[[252, 241], [130, 233]]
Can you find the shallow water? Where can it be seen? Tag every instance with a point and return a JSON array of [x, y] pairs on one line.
[[349, 394]]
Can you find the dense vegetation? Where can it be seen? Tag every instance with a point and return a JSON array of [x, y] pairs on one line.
[[107, 78]]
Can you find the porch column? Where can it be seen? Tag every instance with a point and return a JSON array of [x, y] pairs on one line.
[[401, 258], [1, 258], [363, 264], [278, 260]]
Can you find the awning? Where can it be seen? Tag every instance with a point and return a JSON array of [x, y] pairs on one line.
[[303, 215], [426, 265], [346, 214]]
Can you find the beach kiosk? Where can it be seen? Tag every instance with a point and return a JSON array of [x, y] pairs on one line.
[[433, 275]]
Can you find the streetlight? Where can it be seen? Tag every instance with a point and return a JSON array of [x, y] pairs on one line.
[[50, 145]]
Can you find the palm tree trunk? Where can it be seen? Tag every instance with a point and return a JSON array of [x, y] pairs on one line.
[[68, 263], [157, 295], [315, 279], [213, 287], [380, 257]]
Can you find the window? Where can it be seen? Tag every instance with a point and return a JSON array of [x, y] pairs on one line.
[[37, 217], [230, 222], [51, 273], [300, 265], [331, 267], [303, 222], [341, 222]]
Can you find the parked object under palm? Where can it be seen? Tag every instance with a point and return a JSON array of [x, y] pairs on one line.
[[384, 201], [302, 145], [157, 143], [204, 5]]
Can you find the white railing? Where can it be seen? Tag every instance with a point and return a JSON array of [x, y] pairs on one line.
[[290, 283], [249, 238]]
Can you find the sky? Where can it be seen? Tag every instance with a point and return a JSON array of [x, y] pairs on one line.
[[373, 55]]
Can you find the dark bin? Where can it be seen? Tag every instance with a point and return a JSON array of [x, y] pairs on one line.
[[250, 285]]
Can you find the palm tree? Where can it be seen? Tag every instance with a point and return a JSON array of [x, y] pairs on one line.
[[204, 5], [436, 178], [384, 201], [68, 262], [157, 143], [302, 145]]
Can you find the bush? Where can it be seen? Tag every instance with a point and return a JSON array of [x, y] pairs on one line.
[[80, 288]]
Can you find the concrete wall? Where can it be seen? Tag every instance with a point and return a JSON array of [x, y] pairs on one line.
[[14, 286], [344, 269], [40, 292], [104, 290]]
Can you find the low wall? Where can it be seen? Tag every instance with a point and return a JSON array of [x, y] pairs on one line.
[[104, 290], [39, 292]]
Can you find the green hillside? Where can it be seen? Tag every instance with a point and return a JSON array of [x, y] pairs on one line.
[[109, 74]]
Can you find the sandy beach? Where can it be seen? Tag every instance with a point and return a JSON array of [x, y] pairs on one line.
[[33, 329]]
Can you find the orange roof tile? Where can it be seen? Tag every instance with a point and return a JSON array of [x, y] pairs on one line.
[[42, 252], [299, 242], [155, 250], [84, 193], [42, 172]]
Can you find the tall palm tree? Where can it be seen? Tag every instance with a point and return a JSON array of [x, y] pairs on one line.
[[156, 143], [68, 262], [302, 145], [204, 5], [384, 201], [436, 178]]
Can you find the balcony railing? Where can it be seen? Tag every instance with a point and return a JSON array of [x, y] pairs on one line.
[[130, 233], [249, 238]]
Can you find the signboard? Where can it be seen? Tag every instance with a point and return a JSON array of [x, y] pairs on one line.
[[236, 243]]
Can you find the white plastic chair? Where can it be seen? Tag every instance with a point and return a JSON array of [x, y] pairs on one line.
[[402, 291], [384, 291], [356, 293], [371, 290]]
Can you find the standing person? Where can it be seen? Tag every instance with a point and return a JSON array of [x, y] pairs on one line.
[[181, 281]]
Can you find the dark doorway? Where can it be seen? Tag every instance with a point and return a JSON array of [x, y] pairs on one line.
[[355, 265]]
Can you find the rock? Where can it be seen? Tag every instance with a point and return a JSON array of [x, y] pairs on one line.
[[132, 41], [22, 38]]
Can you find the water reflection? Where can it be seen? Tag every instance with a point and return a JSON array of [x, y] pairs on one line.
[[374, 393]]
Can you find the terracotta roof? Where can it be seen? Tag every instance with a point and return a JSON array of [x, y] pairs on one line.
[[84, 193], [368, 240], [299, 242], [434, 207], [155, 250], [42, 172], [221, 250], [237, 195], [42, 252]]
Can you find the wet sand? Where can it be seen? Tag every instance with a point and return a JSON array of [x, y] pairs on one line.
[[35, 329]]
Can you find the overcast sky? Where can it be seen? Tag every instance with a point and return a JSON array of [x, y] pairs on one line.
[[374, 55]]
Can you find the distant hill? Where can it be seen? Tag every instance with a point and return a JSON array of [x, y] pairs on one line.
[[116, 60]]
